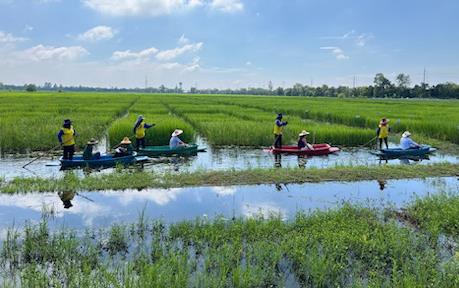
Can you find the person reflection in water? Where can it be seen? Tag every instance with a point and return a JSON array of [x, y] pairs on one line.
[[382, 184], [277, 160], [302, 161], [67, 197]]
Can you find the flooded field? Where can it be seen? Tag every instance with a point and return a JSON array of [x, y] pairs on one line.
[[100, 209], [222, 159]]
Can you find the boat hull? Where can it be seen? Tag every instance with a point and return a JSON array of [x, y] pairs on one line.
[[319, 150], [155, 151], [398, 152], [104, 161]]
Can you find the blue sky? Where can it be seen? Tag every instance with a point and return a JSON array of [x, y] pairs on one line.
[[226, 43]]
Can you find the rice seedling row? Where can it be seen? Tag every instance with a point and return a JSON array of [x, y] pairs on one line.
[[349, 246]]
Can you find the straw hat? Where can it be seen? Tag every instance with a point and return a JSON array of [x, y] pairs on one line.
[[177, 132], [303, 133], [384, 121], [92, 141], [126, 141], [406, 134]]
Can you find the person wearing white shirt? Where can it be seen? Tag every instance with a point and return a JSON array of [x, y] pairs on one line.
[[407, 143]]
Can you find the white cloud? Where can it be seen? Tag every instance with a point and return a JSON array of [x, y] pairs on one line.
[[183, 40], [40, 53], [362, 39], [9, 38], [159, 7], [128, 54], [336, 51], [359, 39], [227, 5], [28, 28], [98, 33], [170, 54]]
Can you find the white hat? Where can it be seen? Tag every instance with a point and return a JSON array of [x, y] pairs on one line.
[[303, 133], [406, 134], [177, 132]]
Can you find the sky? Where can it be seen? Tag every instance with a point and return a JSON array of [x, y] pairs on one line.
[[226, 43]]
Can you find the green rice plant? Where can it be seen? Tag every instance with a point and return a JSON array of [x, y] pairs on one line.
[[438, 214], [154, 113]]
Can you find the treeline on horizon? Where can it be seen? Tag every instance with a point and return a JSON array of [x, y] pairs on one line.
[[381, 88]]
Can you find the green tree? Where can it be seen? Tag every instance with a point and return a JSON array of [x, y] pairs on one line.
[[30, 88]]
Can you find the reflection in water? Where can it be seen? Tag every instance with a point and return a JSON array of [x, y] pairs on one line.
[[66, 198], [382, 184], [99, 209], [302, 161], [277, 160]]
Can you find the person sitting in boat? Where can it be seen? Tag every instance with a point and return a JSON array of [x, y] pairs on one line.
[[302, 143], [407, 143], [175, 141], [278, 129], [66, 137], [140, 128], [87, 153], [124, 148], [383, 132], [66, 198]]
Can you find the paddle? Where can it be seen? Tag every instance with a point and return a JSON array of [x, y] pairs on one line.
[[47, 152], [84, 197], [372, 139]]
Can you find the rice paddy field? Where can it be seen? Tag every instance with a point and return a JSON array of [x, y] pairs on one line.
[[334, 226], [30, 122]]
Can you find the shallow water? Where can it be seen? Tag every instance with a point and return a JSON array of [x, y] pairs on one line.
[[99, 209], [221, 159]]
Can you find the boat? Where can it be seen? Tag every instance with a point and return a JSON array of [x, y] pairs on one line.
[[319, 150], [103, 162], [154, 151], [399, 152]]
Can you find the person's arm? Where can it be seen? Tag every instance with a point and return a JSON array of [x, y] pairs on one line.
[[146, 126], [59, 135]]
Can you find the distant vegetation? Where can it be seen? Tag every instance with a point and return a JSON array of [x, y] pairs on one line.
[[382, 88]]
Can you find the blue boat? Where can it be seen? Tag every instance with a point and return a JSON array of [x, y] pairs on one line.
[[103, 162], [399, 152]]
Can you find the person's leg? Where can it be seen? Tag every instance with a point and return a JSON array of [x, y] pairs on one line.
[[137, 144], [276, 141], [142, 142], [380, 143], [280, 141], [71, 152], [385, 142], [65, 155]]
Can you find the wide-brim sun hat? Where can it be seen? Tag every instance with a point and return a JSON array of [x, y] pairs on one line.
[[303, 133], [406, 134], [126, 141], [177, 132], [384, 121], [92, 141]]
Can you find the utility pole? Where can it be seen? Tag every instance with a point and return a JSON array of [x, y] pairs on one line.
[[353, 85], [146, 83], [424, 79]]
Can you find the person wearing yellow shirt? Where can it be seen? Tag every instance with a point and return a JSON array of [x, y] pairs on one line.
[[66, 137], [383, 132], [140, 128], [278, 129]]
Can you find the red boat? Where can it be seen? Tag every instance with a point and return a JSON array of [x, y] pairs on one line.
[[319, 149]]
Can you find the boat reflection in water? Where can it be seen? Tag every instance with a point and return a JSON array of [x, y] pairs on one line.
[[406, 160]]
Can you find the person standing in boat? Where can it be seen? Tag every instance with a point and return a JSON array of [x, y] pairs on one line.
[[383, 132], [302, 142], [140, 128], [124, 148], [278, 129], [66, 137], [407, 143], [87, 153], [175, 141]]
